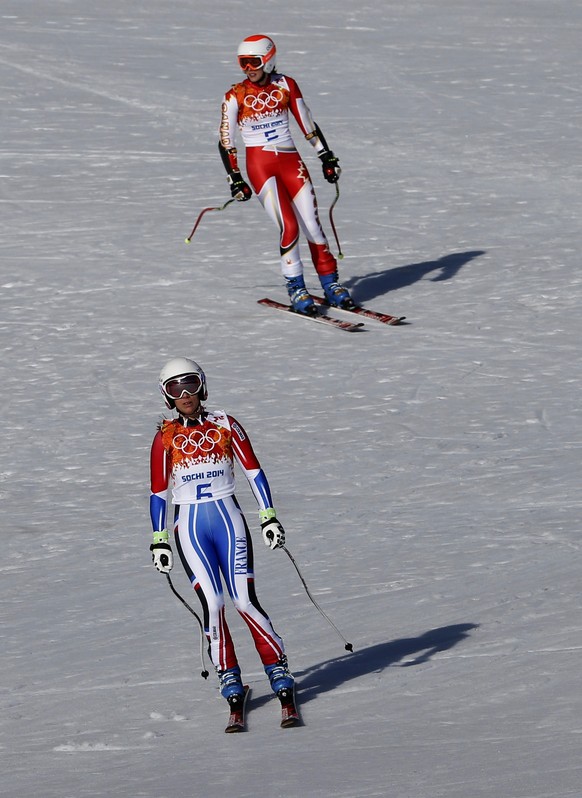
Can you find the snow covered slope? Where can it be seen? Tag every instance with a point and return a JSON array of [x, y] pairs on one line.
[[428, 475]]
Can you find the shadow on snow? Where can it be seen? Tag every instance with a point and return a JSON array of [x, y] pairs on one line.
[[326, 676], [378, 283]]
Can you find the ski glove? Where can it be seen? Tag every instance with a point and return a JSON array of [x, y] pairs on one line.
[[273, 532], [239, 188], [330, 166], [161, 550]]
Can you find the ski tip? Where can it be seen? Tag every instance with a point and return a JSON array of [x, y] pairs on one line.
[[289, 714], [290, 722], [234, 728], [237, 720]]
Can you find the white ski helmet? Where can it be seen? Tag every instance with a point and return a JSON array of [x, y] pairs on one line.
[[182, 371], [258, 46]]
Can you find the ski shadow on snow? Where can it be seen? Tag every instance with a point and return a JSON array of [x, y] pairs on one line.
[[377, 284], [328, 675]]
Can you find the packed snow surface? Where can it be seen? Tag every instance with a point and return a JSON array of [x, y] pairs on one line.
[[428, 476]]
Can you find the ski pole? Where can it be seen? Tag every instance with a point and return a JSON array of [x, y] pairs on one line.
[[348, 646], [201, 214], [204, 673], [340, 254]]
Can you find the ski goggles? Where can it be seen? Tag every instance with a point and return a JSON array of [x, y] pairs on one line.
[[189, 384], [250, 62]]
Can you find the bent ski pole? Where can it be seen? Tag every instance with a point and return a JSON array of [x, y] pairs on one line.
[[204, 673], [348, 646], [201, 214], [340, 254]]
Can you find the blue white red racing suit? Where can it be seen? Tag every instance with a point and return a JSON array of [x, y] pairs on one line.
[[275, 169], [196, 459]]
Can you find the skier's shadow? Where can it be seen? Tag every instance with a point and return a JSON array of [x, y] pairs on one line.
[[326, 676], [376, 284]]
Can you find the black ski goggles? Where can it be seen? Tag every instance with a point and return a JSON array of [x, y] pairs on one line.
[[189, 384], [250, 62]]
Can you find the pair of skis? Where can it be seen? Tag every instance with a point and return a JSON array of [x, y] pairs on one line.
[[323, 317], [237, 719]]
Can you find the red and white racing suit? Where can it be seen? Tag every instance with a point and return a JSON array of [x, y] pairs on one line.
[[196, 459], [275, 169]]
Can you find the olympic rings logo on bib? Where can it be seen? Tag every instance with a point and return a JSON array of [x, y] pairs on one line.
[[203, 441], [265, 101]]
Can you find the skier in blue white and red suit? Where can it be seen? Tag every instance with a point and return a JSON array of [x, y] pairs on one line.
[[194, 454], [259, 106]]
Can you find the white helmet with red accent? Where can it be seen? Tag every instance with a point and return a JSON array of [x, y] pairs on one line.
[[181, 375], [258, 47]]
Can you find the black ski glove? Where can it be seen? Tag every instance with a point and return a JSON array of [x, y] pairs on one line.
[[239, 188], [330, 166]]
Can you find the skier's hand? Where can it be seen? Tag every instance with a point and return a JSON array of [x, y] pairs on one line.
[[330, 166], [162, 557], [273, 534], [161, 550], [239, 188]]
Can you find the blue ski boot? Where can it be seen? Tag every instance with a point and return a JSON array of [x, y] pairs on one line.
[[336, 294], [280, 676], [299, 296], [231, 686]]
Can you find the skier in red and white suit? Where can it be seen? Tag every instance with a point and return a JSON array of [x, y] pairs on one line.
[[194, 455], [259, 107]]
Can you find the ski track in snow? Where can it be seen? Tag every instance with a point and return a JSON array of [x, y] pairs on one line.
[[427, 475]]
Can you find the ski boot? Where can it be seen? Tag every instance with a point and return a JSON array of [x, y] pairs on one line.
[[231, 686], [301, 301], [336, 294], [280, 676]]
